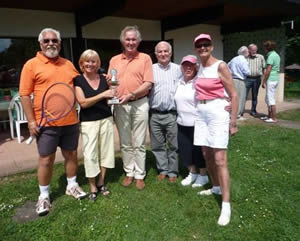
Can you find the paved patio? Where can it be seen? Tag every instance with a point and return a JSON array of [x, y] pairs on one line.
[[15, 158]]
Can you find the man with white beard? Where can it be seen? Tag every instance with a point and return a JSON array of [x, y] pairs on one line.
[[37, 75]]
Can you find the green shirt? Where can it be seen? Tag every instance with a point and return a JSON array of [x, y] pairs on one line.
[[273, 59]]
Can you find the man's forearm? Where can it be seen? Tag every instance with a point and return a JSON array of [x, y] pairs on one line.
[[27, 106]]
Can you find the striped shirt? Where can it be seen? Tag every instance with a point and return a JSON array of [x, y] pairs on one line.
[[256, 63], [166, 80]]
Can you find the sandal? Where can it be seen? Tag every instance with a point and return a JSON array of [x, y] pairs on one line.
[[93, 196], [103, 190]]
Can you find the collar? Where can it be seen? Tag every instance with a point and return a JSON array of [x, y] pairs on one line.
[[46, 60], [136, 56], [190, 81], [165, 67], [270, 52]]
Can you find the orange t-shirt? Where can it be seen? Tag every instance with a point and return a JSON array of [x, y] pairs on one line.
[[132, 73], [38, 74]]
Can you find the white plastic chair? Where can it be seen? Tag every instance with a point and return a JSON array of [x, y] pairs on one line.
[[17, 116]]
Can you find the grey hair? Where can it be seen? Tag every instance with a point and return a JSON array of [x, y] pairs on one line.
[[252, 46], [46, 30], [165, 42], [131, 28], [242, 50]]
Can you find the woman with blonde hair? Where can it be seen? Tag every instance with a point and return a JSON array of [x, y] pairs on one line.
[[96, 122]]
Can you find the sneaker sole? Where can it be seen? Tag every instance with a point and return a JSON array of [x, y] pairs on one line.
[[78, 198]]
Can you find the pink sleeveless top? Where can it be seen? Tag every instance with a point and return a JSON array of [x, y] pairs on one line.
[[208, 85]]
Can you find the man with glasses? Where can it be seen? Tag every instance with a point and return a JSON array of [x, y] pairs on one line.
[[37, 75]]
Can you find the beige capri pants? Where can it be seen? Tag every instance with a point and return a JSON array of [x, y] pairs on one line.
[[98, 145]]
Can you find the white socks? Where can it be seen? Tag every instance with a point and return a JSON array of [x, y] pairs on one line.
[[224, 218], [44, 191], [216, 190], [71, 182]]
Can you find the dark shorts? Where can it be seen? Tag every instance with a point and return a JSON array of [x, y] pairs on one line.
[[188, 152], [66, 137]]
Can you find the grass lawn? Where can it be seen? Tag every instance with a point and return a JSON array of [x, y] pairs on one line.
[[264, 165], [293, 115]]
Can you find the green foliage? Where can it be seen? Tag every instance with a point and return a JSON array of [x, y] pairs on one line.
[[264, 167]]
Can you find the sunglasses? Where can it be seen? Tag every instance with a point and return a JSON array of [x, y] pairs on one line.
[[205, 45], [47, 40]]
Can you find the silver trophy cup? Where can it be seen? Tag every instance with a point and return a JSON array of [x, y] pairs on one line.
[[113, 85]]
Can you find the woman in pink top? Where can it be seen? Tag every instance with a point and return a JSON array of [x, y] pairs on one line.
[[214, 124]]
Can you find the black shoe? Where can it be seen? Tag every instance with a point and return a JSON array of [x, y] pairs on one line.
[[254, 114]]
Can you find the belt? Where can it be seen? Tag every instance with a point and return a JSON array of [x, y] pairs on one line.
[[163, 111], [254, 77], [137, 99], [202, 101]]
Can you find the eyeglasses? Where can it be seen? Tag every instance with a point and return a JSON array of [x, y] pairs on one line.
[[205, 45], [47, 40]]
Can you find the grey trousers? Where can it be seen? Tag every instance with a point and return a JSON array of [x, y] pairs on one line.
[[163, 134], [240, 86]]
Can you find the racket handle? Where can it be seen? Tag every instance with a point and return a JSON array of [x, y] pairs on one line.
[[29, 140]]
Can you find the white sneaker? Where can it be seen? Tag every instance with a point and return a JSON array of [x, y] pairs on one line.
[[76, 192], [189, 179], [200, 181], [270, 120], [209, 192], [43, 206], [224, 218], [241, 118]]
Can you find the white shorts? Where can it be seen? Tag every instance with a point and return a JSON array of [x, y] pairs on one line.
[[271, 92], [212, 124]]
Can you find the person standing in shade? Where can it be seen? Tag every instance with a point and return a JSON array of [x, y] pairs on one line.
[[96, 122], [257, 65], [37, 75], [271, 79], [135, 76], [239, 69], [185, 98], [163, 127]]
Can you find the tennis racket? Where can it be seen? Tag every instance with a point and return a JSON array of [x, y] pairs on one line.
[[57, 102]]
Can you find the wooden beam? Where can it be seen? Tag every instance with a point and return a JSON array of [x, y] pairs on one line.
[[192, 18], [251, 25], [98, 10]]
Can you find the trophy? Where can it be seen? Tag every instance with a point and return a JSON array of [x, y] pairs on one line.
[[113, 85]]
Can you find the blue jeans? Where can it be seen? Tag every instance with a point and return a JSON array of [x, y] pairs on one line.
[[254, 84]]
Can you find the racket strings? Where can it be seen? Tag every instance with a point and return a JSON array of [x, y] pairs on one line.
[[58, 102]]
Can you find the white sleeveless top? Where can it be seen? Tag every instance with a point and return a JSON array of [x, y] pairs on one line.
[[208, 84]]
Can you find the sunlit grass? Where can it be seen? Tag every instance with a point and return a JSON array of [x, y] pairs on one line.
[[264, 166]]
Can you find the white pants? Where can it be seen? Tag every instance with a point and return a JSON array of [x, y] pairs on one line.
[[132, 123], [212, 124]]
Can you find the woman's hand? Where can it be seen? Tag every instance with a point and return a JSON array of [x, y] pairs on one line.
[[108, 94], [233, 129]]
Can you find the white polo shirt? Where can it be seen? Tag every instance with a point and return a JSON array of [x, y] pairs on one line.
[[185, 99]]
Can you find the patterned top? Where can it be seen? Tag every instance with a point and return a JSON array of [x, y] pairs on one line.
[[256, 63], [165, 83]]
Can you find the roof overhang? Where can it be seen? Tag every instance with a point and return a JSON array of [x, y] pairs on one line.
[[232, 15]]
